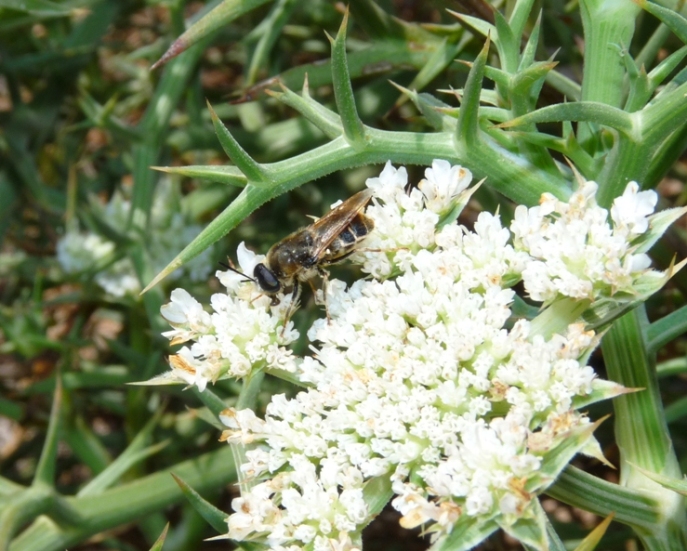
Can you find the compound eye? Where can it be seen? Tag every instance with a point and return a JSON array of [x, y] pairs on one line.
[[266, 279]]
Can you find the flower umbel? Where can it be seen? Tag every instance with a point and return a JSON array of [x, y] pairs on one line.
[[167, 231], [421, 377]]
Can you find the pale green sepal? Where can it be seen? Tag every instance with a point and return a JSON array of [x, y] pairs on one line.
[[675, 484], [601, 390], [160, 541], [530, 530], [606, 310], [216, 518], [594, 537], [463, 198], [555, 543], [658, 224], [558, 458], [466, 533], [593, 449], [377, 493], [556, 317]]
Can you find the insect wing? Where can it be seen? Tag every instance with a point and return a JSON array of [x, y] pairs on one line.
[[327, 228]]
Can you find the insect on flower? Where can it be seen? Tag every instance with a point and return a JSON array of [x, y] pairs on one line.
[[306, 253]]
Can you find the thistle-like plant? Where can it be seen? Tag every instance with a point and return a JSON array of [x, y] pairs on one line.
[[624, 123]]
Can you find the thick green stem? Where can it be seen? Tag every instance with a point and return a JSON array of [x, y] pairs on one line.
[[641, 429]]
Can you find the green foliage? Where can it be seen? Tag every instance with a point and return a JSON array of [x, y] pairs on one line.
[[82, 115]]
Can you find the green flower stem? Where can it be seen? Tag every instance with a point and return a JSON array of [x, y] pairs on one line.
[[127, 503], [641, 429]]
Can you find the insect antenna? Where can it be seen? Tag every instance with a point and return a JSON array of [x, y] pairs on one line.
[[231, 268]]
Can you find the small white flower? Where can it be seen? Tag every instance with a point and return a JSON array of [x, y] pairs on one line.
[[630, 211]]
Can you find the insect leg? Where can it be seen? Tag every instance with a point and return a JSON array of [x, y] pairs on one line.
[[295, 296], [325, 283]]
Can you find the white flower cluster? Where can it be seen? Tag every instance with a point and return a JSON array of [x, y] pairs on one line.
[[575, 251], [165, 233], [245, 332], [419, 377]]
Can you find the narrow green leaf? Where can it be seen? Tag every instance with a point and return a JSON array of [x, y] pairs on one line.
[[379, 58], [664, 330], [666, 114], [229, 175], [443, 55], [507, 44], [674, 366], [677, 410], [354, 129], [579, 111], [380, 25], [567, 146], [38, 8], [45, 471], [255, 173], [222, 15], [215, 518], [671, 18], [159, 542], [325, 119], [530, 50], [474, 23], [135, 452], [565, 85], [273, 24], [467, 129], [518, 19], [431, 108], [666, 67], [127, 503]]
